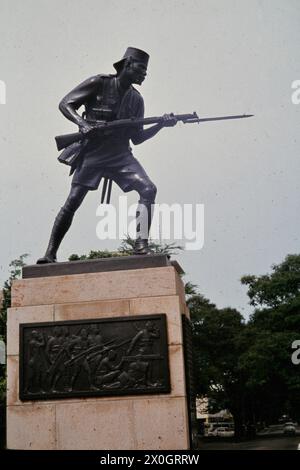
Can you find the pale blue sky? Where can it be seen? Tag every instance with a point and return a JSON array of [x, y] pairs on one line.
[[216, 57]]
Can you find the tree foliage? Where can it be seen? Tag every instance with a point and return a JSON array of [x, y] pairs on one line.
[[15, 272], [247, 367], [217, 346], [272, 329], [280, 287]]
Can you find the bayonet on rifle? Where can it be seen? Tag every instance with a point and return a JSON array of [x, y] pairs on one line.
[[63, 141]]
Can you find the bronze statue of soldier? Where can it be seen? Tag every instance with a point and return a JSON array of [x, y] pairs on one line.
[[109, 156]]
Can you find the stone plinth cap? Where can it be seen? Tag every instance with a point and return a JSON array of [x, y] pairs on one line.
[[100, 265]]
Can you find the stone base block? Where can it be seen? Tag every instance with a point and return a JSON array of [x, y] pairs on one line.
[[156, 421]]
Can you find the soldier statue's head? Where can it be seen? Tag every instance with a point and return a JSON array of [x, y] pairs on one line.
[[134, 64]]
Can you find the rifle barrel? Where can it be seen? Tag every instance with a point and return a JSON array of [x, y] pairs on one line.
[[223, 118]]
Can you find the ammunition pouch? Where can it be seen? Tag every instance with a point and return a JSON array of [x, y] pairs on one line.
[[71, 155]]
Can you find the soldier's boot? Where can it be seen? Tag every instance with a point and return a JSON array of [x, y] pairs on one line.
[[144, 218], [61, 225], [141, 247]]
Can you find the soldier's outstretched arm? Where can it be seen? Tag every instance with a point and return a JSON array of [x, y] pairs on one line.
[[141, 135], [77, 97]]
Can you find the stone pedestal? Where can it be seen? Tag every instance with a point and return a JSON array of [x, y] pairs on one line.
[[95, 290]]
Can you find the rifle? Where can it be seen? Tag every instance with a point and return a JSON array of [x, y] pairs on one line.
[[99, 348], [63, 141], [149, 357]]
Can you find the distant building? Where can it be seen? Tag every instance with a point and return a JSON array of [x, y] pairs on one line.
[[202, 409], [208, 418]]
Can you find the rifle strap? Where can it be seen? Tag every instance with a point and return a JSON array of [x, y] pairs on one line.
[[107, 185], [109, 191]]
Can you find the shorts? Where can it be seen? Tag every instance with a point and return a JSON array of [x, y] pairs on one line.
[[124, 170]]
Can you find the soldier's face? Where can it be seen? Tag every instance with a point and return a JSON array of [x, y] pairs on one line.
[[138, 72]]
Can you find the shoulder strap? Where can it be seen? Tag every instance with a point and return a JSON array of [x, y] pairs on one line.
[[106, 89]]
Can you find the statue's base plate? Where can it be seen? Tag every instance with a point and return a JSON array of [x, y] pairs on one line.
[[117, 263]]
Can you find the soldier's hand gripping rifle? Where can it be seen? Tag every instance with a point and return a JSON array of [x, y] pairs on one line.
[[63, 141]]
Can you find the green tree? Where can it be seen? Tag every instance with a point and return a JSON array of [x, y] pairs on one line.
[[217, 346], [271, 330], [15, 272], [280, 287], [247, 367]]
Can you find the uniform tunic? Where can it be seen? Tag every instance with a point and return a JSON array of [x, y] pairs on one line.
[[108, 155]]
